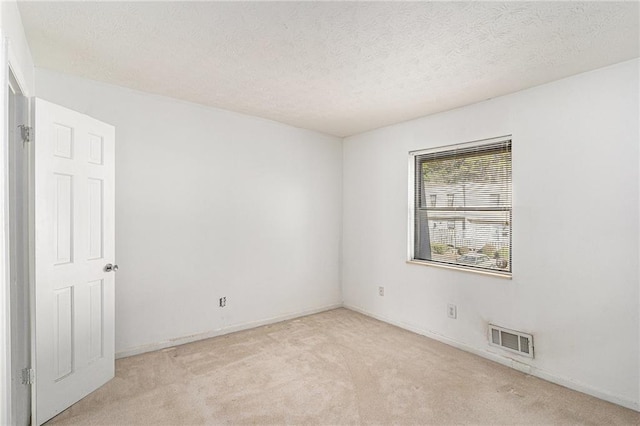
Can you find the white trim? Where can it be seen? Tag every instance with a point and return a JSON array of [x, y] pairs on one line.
[[411, 212], [15, 70], [479, 142], [32, 253], [221, 332], [506, 275], [411, 206], [509, 362], [20, 329], [5, 308]]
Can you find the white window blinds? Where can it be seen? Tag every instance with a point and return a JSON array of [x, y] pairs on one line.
[[462, 206]]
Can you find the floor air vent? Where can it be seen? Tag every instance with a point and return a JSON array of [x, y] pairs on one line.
[[514, 341]]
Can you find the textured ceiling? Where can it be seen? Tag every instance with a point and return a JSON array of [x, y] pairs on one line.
[[337, 67]]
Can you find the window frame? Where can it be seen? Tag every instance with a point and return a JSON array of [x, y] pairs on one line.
[[411, 242]]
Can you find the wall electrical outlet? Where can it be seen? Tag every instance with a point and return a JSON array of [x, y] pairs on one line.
[[381, 291], [452, 311], [223, 302]]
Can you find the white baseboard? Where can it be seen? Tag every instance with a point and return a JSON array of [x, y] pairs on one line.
[[525, 368], [220, 332]]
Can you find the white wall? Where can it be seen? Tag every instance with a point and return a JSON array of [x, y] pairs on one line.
[[19, 55], [211, 203], [575, 173]]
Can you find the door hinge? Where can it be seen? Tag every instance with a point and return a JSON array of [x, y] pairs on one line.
[[25, 133], [27, 376]]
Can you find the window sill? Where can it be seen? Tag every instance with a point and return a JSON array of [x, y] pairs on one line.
[[507, 275]]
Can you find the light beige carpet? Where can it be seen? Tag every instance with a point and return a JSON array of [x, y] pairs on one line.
[[336, 367]]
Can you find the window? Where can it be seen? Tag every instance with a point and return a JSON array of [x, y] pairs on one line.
[[475, 178], [450, 199]]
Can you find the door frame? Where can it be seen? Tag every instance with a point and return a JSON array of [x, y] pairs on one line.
[[10, 72], [19, 252], [5, 298]]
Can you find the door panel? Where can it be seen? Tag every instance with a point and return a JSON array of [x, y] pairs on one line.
[[95, 218], [74, 233]]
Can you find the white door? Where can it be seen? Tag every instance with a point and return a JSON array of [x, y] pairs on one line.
[[74, 243]]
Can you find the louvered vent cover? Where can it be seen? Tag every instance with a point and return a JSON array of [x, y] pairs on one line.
[[514, 341]]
